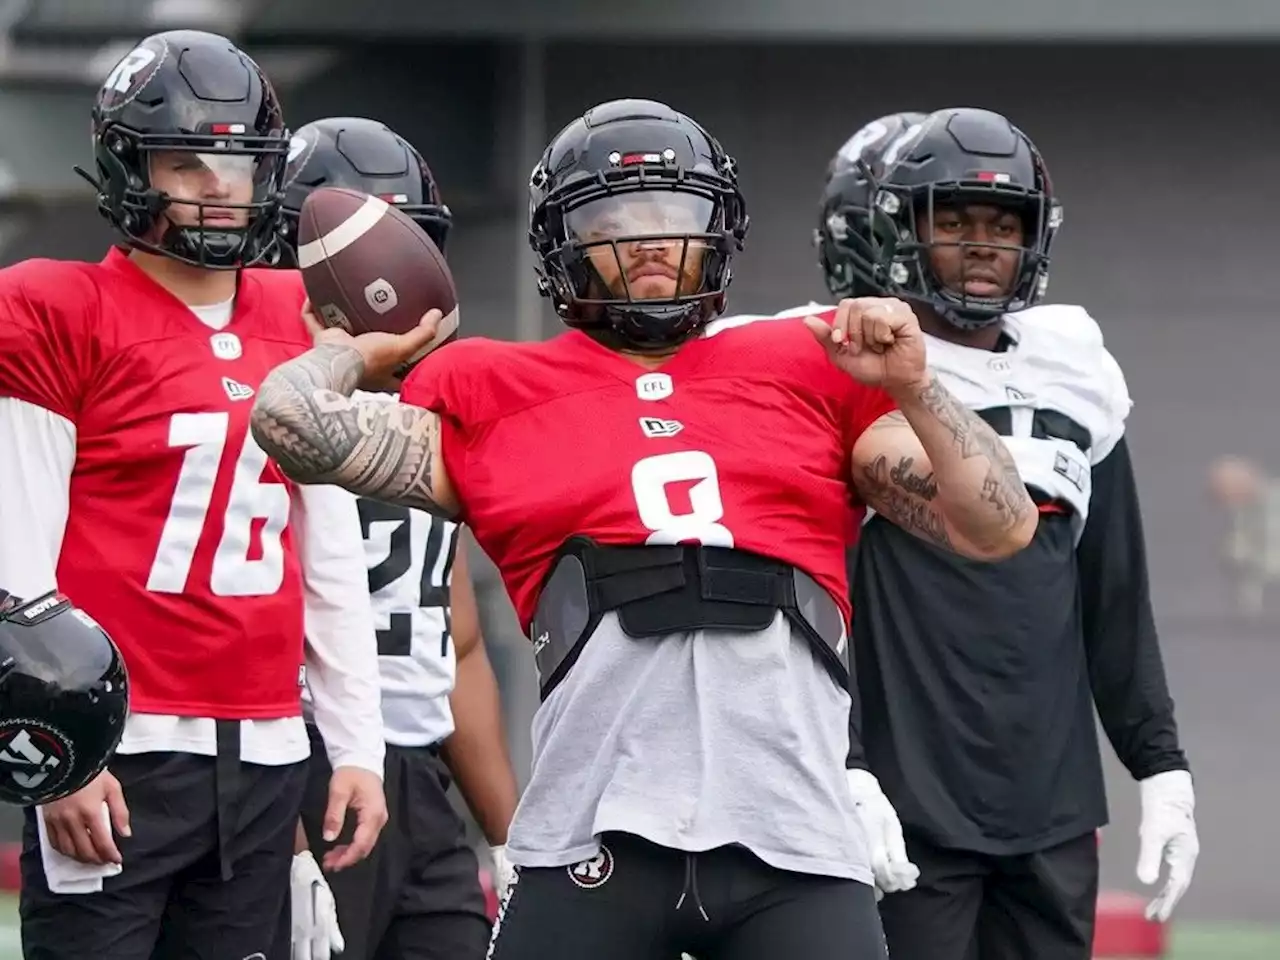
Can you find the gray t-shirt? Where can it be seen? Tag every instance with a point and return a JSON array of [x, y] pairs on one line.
[[694, 741]]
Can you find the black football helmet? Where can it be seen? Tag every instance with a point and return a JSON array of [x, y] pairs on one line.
[[64, 698], [960, 156], [846, 253], [197, 94], [362, 155], [616, 193]]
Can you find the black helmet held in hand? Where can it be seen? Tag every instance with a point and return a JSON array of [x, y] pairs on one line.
[[189, 147], [64, 699], [635, 217]]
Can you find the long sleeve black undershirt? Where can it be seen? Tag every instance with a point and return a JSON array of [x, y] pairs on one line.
[[1126, 670]]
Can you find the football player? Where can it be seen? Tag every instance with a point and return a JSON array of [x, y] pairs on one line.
[[658, 492], [418, 894], [64, 696], [865, 153], [977, 683], [141, 495]]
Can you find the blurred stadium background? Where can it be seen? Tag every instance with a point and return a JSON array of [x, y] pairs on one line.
[[1151, 113]]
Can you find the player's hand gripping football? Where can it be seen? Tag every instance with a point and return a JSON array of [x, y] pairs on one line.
[[876, 340], [386, 355]]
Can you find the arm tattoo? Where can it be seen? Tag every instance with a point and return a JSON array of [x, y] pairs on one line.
[[905, 497], [980, 498], [973, 437], [306, 420]]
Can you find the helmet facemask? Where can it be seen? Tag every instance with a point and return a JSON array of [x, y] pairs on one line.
[[211, 200], [912, 270], [849, 250], [641, 252]]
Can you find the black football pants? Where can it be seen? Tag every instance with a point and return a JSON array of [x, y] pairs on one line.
[[206, 870], [417, 896], [971, 906], [639, 901]]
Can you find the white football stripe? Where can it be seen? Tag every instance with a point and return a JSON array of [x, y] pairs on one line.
[[447, 326], [343, 235]]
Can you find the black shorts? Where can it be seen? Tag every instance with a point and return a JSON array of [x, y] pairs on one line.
[[206, 871], [418, 895], [638, 901], [972, 906]]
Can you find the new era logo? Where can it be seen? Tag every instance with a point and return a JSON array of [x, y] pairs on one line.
[[657, 427], [236, 390]]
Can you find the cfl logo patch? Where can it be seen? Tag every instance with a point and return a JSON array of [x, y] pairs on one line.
[[593, 873], [381, 296]]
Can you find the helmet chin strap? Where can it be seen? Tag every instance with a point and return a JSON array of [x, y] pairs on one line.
[[609, 336], [967, 320], [949, 315]]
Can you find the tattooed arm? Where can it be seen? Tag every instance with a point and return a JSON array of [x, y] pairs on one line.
[[938, 471], [307, 421]]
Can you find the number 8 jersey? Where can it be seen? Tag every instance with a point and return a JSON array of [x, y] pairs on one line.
[[177, 536], [743, 439]]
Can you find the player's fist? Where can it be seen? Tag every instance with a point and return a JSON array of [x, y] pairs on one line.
[[387, 356], [876, 340]]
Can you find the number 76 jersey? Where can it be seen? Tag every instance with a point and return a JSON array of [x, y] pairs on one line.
[[176, 538], [743, 439]]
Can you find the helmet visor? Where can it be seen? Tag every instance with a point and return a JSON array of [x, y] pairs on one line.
[[645, 245]]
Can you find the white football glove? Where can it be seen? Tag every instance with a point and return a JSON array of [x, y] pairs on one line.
[[503, 872], [1168, 834], [893, 872], [316, 935]]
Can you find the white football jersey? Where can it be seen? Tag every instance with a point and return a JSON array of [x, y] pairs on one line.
[[410, 556], [1057, 396]]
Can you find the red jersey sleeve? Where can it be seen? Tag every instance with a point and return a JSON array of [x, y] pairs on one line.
[[46, 310], [449, 381], [866, 405], [861, 405]]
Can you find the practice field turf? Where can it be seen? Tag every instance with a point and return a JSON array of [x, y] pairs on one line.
[[1191, 941]]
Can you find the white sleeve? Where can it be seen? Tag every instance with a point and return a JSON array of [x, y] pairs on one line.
[[35, 484], [1118, 405], [342, 649]]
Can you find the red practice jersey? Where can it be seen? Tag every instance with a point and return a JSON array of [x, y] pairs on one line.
[[743, 439], [176, 539]]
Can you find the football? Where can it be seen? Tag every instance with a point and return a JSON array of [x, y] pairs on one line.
[[368, 267]]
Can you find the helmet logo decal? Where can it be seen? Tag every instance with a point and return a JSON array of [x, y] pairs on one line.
[[122, 76], [296, 146], [863, 140], [34, 755], [905, 140], [130, 76]]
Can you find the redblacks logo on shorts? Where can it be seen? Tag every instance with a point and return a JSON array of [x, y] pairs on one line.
[[593, 873]]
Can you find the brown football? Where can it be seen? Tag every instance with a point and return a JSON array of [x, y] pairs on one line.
[[368, 267]]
